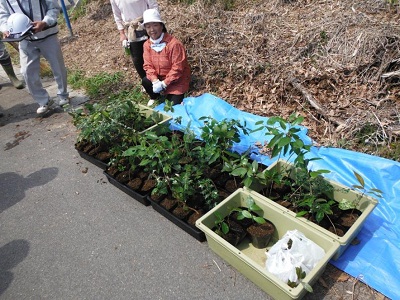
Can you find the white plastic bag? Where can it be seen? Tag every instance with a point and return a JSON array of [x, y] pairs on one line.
[[282, 260]]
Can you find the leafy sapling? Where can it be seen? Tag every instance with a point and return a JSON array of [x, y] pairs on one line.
[[249, 212], [345, 204], [222, 227]]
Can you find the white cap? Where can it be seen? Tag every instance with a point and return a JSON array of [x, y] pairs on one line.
[[152, 15]]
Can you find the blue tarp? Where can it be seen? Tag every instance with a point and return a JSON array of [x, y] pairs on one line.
[[376, 260]]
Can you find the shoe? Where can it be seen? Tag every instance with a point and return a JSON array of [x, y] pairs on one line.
[[63, 101], [44, 108], [151, 102]]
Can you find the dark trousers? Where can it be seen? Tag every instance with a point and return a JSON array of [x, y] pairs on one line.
[[148, 86], [137, 57]]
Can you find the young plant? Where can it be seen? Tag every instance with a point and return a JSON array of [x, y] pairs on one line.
[[346, 204], [285, 138], [249, 212], [219, 136], [300, 276], [222, 227]]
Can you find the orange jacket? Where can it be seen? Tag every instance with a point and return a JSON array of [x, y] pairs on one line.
[[169, 65]]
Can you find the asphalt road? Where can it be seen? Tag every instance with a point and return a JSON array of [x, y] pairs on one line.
[[66, 233]]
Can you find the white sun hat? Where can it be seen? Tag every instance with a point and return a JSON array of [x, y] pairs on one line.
[[152, 15]]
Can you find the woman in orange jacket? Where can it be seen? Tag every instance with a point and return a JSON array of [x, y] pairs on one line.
[[165, 61]]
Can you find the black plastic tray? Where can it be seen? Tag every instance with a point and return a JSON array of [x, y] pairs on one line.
[[142, 198], [102, 165], [190, 229]]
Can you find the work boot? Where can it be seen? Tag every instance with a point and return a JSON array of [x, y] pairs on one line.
[[8, 68]]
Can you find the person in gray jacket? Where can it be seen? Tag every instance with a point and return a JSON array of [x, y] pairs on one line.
[[42, 41]]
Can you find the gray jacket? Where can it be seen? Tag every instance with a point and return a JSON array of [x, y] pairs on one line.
[[36, 10]]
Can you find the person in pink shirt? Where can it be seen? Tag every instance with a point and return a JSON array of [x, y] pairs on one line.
[[128, 16], [165, 62]]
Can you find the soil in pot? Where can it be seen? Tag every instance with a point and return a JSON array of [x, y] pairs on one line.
[[156, 197], [182, 212], [148, 185], [261, 234], [338, 223], [195, 216], [169, 203], [231, 185], [236, 233], [245, 222], [135, 184], [125, 176], [99, 151], [103, 156], [196, 201]]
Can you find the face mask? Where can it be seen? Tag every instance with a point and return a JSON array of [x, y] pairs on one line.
[[156, 45]]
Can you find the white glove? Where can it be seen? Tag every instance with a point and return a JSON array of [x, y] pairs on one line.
[[125, 44], [159, 86]]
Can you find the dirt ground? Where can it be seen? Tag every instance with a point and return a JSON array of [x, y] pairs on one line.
[[334, 62]]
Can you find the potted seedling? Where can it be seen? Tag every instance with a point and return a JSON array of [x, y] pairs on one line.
[[104, 127], [259, 229], [229, 229], [250, 260], [306, 193]]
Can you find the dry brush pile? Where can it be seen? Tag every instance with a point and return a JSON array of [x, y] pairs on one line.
[[335, 62]]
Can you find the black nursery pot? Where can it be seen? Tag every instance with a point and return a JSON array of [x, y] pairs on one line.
[[236, 233], [261, 234]]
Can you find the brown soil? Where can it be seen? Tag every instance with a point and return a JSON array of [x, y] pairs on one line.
[[195, 216], [182, 212], [124, 177], [260, 230], [148, 185], [135, 184], [168, 203]]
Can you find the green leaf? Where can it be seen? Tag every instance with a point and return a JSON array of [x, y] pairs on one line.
[[301, 213], [284, 141], [273, 141], [376, 191], [248, 181], [240, 216], [346, 204], [259, 220], [307, 287], [359, 178], [239, 172], [254, 165], [298, 121], [247, 214], [319, 216], [254, 207], [355, 186], [224, 228]]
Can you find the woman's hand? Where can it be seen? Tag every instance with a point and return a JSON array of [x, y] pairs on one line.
[[158, 86]]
